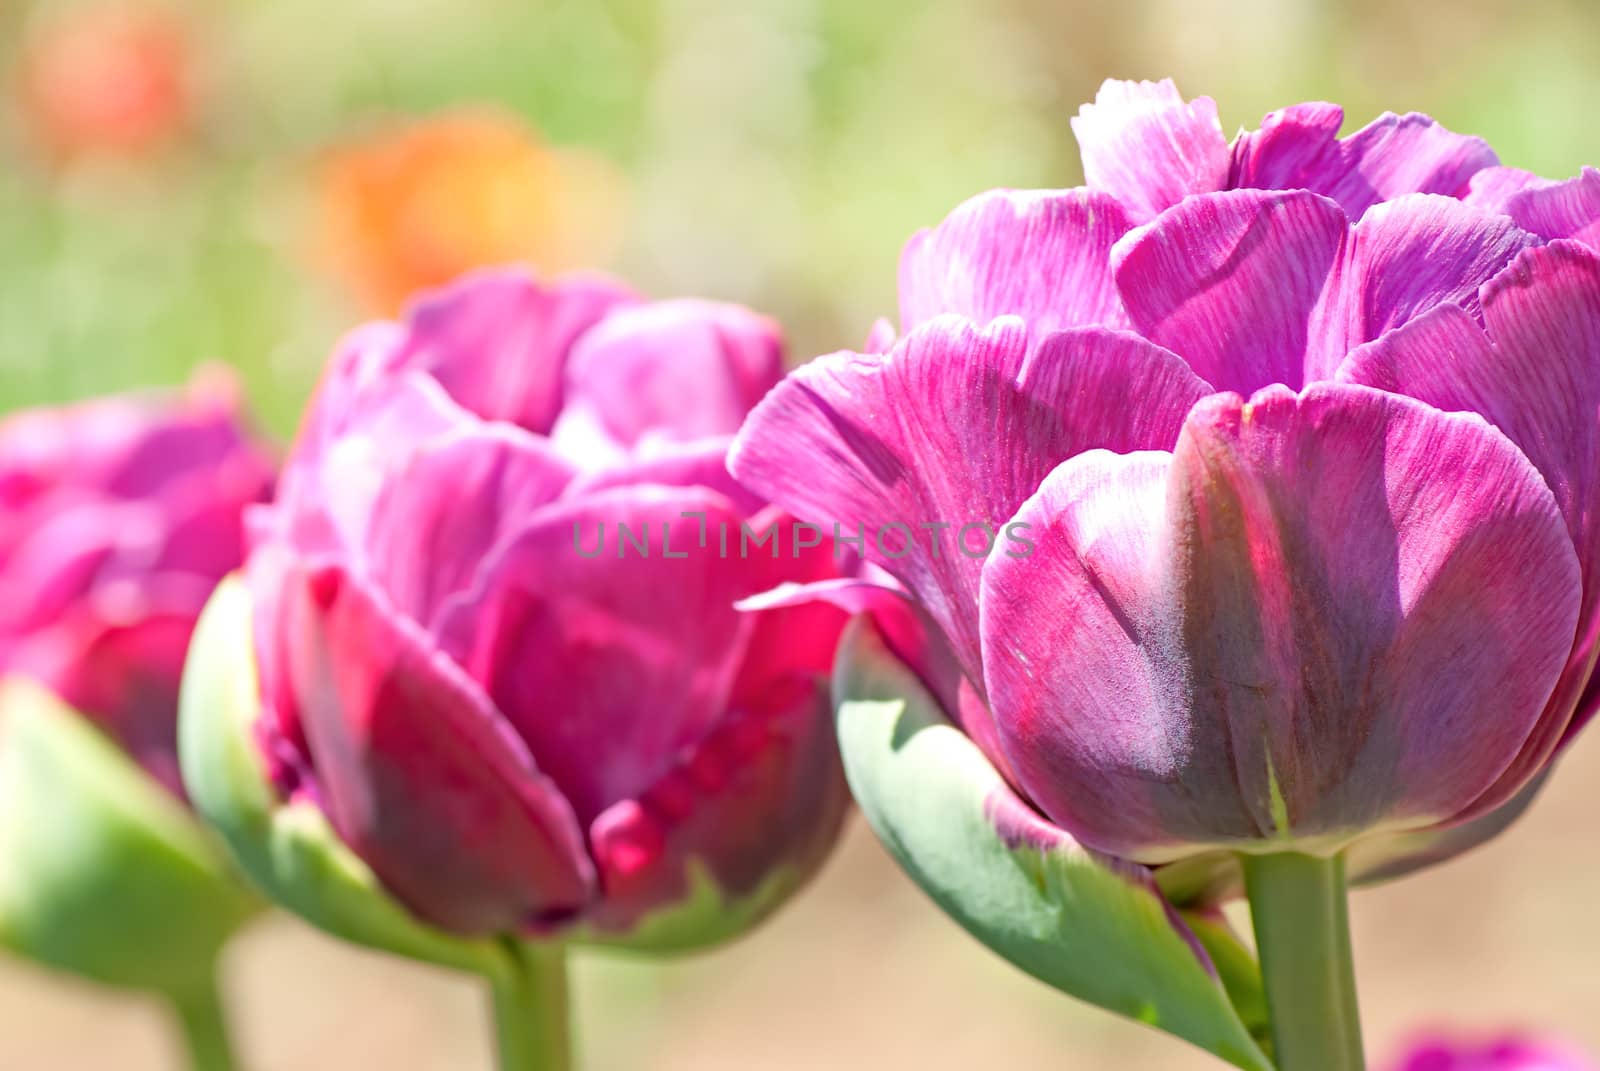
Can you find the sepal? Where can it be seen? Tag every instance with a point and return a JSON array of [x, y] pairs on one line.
[[1095, 928], [103, 873]]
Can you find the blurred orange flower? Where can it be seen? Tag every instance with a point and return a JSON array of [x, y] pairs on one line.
[[414, 207], [108, 80]]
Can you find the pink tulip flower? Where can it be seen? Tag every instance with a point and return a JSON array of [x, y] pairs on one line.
[[521, 718]]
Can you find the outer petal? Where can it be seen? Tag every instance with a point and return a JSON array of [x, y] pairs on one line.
[[418, 772], [748, 812], [1043, 255], [1230, 282], [753, 809], [498, 341], [1147, 148], [1535, 375], [1092, 927], [609, 653], [955, 427], [681, 369], [1334, 614], [287, 846], [1569, 209], [1299, 148]]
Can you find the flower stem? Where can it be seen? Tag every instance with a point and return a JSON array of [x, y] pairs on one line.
[[205, 1029], [532, 1031], [1302, 923]]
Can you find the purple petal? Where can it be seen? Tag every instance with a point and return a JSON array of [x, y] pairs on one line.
[[1532, 375], [1230, 282], [1259, 287], [1325, 614], [418, 772], [450, 505], [763, 794], [128, 446], [498, 341], [1569, 209], [1294, 147], [606, 661], [1147, 148], [881, 338], [1407, 256], [1492, 187], [955, 427], [677, 369], [1512, 1053], [1298, 148], [1038, 254], [695, 464], [325, 501]]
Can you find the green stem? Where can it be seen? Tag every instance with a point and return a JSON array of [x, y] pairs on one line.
[[1302, 924], [531, 1013], [205, 1029]]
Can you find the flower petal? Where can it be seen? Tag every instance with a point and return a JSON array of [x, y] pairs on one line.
[[1260, 287], [1533, 372], [1295, 148], [1299, 148], [1407, 256], [953, 428], [1042, 255], [683, 369], [1569, 209], [498, 341], [610, 652], [755, 806], [1327, 615], [418, 772], [1230, 281], [702, 463], [1492, 187], [1147, 148], [449, 505]]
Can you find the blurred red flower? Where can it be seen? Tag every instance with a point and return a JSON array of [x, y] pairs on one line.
[[109, 80], [415, 206]]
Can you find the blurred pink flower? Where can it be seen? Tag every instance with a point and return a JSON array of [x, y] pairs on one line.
[[117, 518], [1507, 1054]]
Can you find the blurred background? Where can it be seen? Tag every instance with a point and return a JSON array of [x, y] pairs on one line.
[[237, 181]]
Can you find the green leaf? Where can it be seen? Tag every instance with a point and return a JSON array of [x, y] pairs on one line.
[[1094, 928], [288, 848], [102, 872]]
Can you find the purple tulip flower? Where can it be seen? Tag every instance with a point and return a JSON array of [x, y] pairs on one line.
[[520, 722], [1510, 1054], [120, 517], [1302, 437]]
